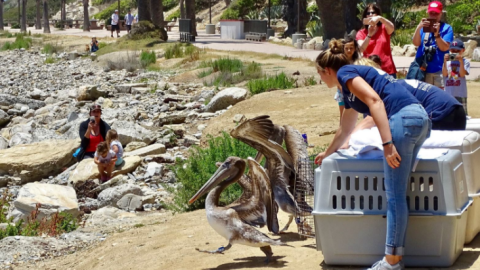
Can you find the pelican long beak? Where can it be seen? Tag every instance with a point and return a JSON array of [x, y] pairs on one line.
[[221, 174]]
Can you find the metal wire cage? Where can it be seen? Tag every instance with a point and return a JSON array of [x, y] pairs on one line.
[[304, 194]]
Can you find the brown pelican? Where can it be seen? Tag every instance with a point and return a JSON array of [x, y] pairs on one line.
[[256, 133], [255, 206]]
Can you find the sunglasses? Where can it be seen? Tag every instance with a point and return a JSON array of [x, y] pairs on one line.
[[371, 13], [97, 111]]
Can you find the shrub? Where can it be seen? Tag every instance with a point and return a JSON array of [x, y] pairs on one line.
[[49, 60], [174, 15], [309, 81], [194, 172], [401, 38], [232, 71], [147, 58], [50, 49], [230, 14], [20, 42], [174, 51], [169, 4], [192, 52], [268, 83], [224, 64], [15, 26]]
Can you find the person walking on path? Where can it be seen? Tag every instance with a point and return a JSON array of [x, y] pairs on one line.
[[115, 23], [129, 21]]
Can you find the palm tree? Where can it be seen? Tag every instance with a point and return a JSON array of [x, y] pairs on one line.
[[350, 12], [332, 28], [86, 21], [1, 15], [190, 10], [46, 25], [38, 21], [182, 9], [24, 17], [157, 18], [144, 10], [63, 12]]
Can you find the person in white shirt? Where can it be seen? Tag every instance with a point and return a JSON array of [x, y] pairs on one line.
[[115, 24], [129, 21]]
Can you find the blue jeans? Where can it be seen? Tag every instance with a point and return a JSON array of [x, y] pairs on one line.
[[410, 127]]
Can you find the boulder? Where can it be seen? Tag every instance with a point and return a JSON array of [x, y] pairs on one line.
[[20, 138], [33, 162], [111, 196], [205, 94], [476, 54], [3, 143], [127, 88], [4, 118], [89, 92], [410, 50], [87, 170], [107, 215], [470, 46], [8, 100], [398, 51], [153, 168], [52, 199], [153, 149], [38, 94], [134, 146], [225, 98], [130, 132], [107, 103], [130, 202], [171, 119]]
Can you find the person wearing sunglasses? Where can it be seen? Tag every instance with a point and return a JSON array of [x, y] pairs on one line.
[[92, 132], [374, 37], [435, 43]]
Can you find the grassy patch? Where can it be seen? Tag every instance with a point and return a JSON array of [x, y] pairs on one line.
[[401, 38], [138, 225], [20, 42], [50, 49], [194, 172], [268, 83], [223, 65], [125, 44], [307, 81], [50, 60], [232, 71], [147, 58]]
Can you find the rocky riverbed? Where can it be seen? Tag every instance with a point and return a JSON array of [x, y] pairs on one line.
[[41, 108]]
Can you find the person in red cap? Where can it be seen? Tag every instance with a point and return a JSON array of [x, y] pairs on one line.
[[435, 44], [92, 132]]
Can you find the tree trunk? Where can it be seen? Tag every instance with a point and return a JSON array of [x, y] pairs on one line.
[[290, 12], [23, 26], [157, 18], [386, 7], [190, 12], [86, 20], [46, 25], [351, 20], [332, 28], [1, 15], [19, 12], [63, 11], [182, 9], [144, 10], [38, 19]]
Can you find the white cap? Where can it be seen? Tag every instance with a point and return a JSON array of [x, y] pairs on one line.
[[116, 10], [94, 37]]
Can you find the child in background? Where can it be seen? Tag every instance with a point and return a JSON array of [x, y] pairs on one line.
[[105, 160], [375, 58], [454, 70], [94, 44], [115, 145]]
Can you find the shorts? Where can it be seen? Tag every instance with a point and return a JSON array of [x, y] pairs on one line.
[[115, 27], [129, 27], [435, 79]]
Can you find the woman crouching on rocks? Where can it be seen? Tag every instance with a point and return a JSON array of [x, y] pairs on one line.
[[403, 125], [93, 131]]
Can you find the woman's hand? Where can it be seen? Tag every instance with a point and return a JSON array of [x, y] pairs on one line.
[[374, 20], [446, 58], [319, 158], [392, 156], [372, 30]]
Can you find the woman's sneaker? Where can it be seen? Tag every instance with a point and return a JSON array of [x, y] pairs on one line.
[[384, 265]]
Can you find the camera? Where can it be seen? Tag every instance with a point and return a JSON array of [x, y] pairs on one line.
[[453, 56], [430, 52]]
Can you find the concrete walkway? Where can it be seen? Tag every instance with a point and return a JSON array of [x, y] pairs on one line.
[[214, 42]]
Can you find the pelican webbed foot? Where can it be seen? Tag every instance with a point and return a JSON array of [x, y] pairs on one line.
[[268, 252], [220, 250], [290, 219]]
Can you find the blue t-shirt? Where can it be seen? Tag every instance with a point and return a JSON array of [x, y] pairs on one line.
[[446, 33], [437, 103], [393, 95]]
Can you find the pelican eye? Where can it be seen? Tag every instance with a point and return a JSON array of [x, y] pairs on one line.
[[226, 164]]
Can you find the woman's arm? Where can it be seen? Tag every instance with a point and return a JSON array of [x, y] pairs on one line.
[[389, 27], [367, 122], [341, 108], [95, 160], [362, 90]]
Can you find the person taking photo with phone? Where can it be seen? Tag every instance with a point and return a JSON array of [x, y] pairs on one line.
[[454, 70], [374, 37], [433, 38], [93, 131]]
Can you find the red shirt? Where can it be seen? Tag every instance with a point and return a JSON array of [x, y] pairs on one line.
[[379, 44], [94, 141]]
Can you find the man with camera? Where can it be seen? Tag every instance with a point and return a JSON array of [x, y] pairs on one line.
[[454, 70], [433, 39]]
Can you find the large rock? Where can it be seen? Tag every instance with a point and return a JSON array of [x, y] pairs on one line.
[[171, 119], [127, 88], [225, 98], [469, 48], [476, 54], [130, 132], [4, 118], [111, 196], [32, 162], [87, 170], [90, 92], [131, 202], [134, 146], [153, 149], [52, 199], [398, 51], [3, 143], [410, 50], [7, 100], [20, 138]]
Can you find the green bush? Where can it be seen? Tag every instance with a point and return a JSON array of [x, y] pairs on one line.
[[147, 58], [20, 42], [169, 4], [106, 13], [174, 15], [401, 38], [192, 52], [194, 172], [268, 83], [230, 14], [15, 26], [232, 71], [50, 49], [49, 60], [101, 45], [223, 64], [174, 51]]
